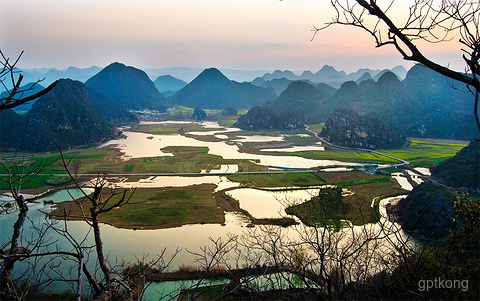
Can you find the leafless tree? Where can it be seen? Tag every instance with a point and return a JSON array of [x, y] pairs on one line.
[[10, 76], [11, 80], [427, 20], [211, 259], [37, 251], [102, 200], [14, 180]]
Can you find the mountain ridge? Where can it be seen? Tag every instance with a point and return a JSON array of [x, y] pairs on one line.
[[62, 118], [129, 87], [211, 89]]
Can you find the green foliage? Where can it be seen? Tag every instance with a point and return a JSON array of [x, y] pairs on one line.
[[427, 212], [461, 171], [425, 152], [277, 179], [259, 118], [199, 114], [57, 180], [345, 127], [319, 210], [317, 127], [128, 168], [160, 208]]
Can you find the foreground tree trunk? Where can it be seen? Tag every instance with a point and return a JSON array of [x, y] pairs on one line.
[[6, 273]]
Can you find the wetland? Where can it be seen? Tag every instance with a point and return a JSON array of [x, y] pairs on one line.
[[195, 181]]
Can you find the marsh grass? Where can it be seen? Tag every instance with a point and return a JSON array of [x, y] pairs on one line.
[[356, 208], [158, 208], [277, 179]]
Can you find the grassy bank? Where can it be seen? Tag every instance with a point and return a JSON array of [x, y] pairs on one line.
[[92, 160], [278, 179], [354, 207], [158, 208]]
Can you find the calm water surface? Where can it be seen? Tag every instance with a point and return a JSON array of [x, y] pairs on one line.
[[127, 245], [136, 145]]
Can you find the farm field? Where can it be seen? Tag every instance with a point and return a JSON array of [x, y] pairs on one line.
[[277, 179], [347, 177], [93, 160], [427, 152]]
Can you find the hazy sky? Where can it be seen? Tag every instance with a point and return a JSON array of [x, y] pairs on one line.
[[239, 34]]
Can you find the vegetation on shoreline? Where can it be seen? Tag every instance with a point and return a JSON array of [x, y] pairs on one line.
[[93, 160], [157, 208], [329, 208], [277, 179]]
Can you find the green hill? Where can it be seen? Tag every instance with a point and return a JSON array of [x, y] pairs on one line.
[[347, 128], [61, 118], [129, 87], [297, 101], [462, 171], [260, 118], [168, 83], [212, 90]]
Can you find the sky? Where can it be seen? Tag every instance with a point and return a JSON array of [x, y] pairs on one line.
[[234, 34]]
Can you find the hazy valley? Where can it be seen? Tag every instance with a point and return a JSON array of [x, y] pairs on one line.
[[281, 155]]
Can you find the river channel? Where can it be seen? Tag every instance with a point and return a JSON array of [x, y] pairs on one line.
[[127, 245], [140, 145]]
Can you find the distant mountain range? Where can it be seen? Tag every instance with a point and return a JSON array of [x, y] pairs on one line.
[[188, 74], [329, 75], [52, 74], [63, 118], [424, 104], [213, 90], [168, 83], [29, 89]]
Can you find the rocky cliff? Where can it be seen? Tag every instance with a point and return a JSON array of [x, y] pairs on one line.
[[347, 128]]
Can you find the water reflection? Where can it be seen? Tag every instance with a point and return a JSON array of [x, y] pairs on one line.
[[295, 149], [269, 204], [141, 145], [127, 245], [176, 181]]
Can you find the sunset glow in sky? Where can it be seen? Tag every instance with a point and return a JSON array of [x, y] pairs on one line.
[[237, 34]]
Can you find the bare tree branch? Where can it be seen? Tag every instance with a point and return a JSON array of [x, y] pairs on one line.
[[15, 95]]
